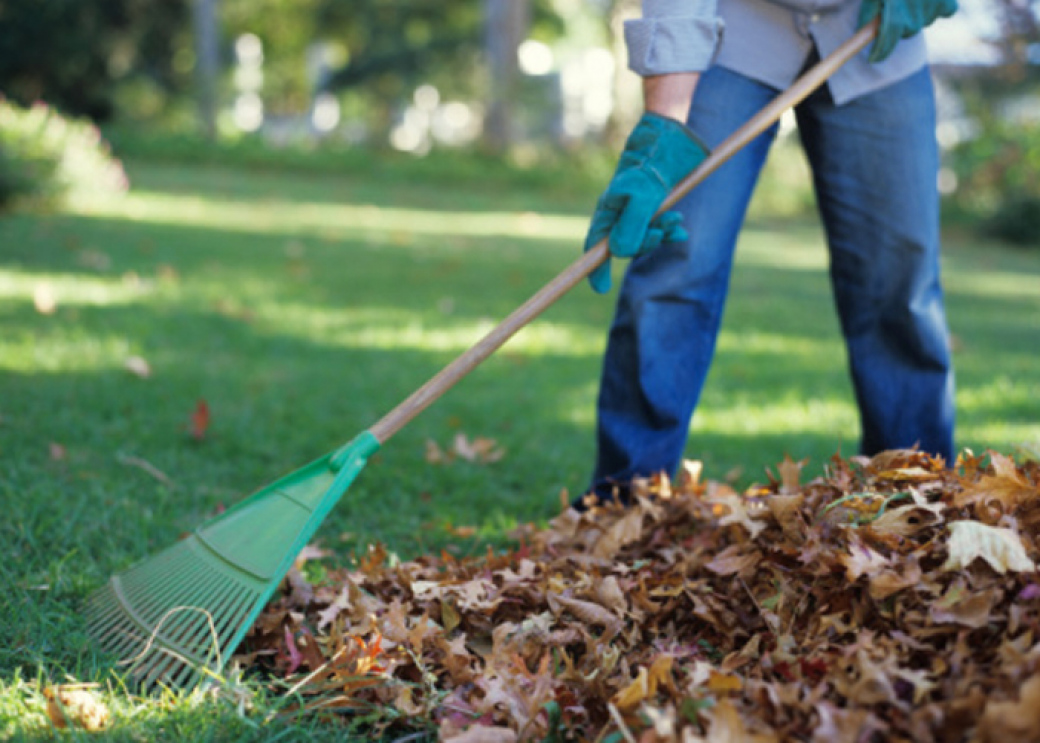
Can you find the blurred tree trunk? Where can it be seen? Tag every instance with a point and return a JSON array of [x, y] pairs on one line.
[[506, 25], [628, 87], [1020, 32], [207, 62]]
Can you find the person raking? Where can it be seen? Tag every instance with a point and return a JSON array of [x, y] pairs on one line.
[[869, 136]]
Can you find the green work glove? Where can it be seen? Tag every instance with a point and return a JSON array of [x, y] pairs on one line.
[[901, 19], [659, 153]]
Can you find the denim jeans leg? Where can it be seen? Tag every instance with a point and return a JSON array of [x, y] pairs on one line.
[[670, 303], [874, 162]]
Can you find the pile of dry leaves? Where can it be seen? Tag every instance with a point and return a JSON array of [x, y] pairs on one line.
[[893, 599]]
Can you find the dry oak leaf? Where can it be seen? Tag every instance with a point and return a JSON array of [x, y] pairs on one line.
[[1003, 722], [786, 509], [727, 726], [480, 449], [77, 705], [1006, 485], [790, 475], [646, 683], [962, 606], [888, 582], [200, 418], [609, 593], [734, 560], [138, 366], [478, 594], [907, 520], [838, 725], [483, 734], [862, 560], [1001, 548], [737, 513], [586, 611], [627, 529], [44, 300]]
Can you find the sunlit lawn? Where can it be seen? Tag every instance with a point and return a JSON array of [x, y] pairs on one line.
[[302, 309]]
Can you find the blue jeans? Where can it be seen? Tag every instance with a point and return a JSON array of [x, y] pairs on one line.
[[874, 162]]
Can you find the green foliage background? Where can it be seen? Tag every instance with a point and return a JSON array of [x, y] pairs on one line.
[[46, 158]]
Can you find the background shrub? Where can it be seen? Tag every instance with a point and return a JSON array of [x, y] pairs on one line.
[[46, 158], [998, 177]]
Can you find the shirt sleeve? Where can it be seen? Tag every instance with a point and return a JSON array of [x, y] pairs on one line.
[[673, 36]]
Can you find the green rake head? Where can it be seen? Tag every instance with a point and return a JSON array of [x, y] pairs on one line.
[[175, 618]]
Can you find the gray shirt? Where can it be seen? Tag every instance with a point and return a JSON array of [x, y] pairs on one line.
[[766, 40]]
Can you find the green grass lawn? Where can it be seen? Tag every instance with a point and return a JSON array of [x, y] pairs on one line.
[[303, 308]]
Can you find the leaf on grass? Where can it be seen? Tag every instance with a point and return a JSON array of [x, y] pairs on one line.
[[138, 366], [434, 454], [1001, 549], [200, 418], [480, 450], [295, 656], [95, 260], [76, 705], [43, 299], [311, 552]]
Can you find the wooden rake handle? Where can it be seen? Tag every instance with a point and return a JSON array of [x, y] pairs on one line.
[[444, 380]]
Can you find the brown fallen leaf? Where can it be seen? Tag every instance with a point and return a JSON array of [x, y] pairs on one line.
[[44, 299], [790, 475], [1001, 549], [481, 450], [76, 705], [960, 605], [483, 734], [1017, 720], [1006, 486], [138, 366], [200, 418]]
